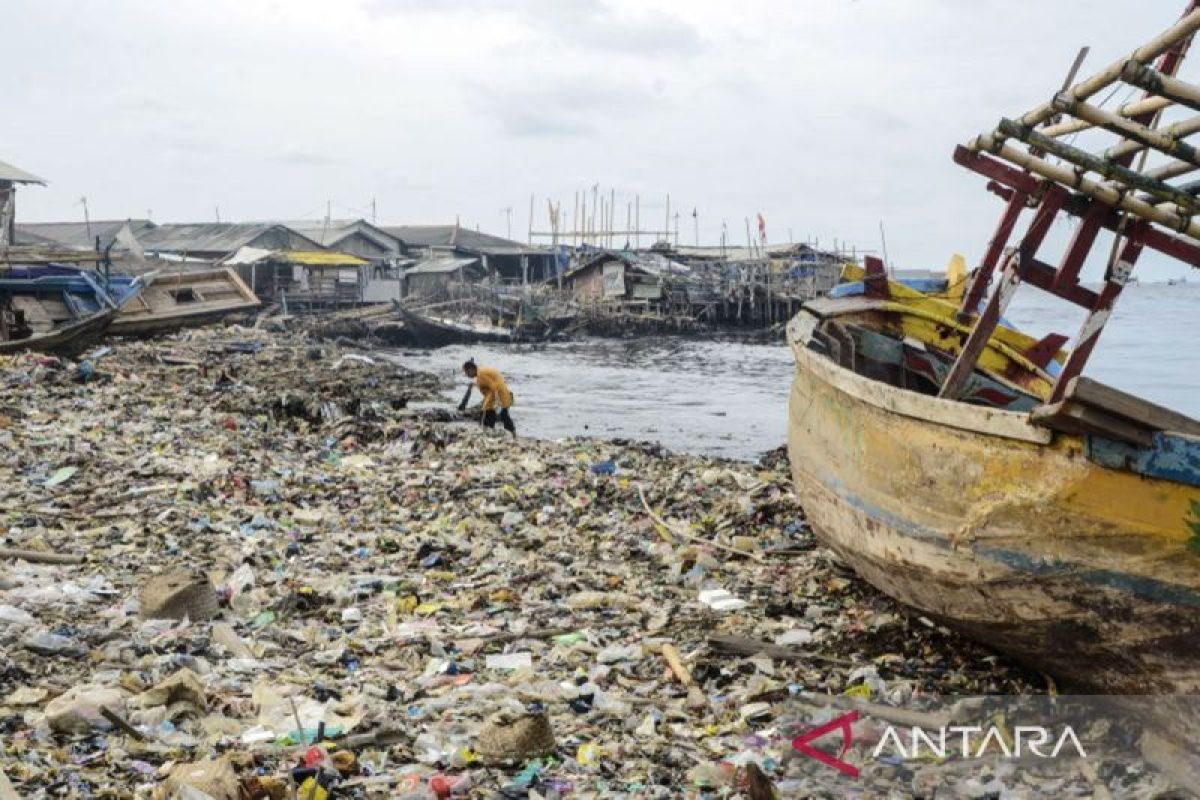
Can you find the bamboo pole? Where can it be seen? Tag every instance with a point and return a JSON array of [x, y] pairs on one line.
[[1112, 171], [1166, 215], [1160, 83], [1140, 136], [612, 210], [1176, 131], [1172, 169], [667, 221], [637, 221], [1137, 108], [1160, 44]]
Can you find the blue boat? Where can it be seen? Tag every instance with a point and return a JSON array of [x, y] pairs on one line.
[[54, 308]]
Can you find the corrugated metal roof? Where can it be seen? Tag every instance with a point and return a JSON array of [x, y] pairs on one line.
[[210, 237], [435, 266], [10, 173], [329, 232], [457, 236], [78, 235]]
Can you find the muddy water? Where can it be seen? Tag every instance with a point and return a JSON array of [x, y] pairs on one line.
[[730, 399], [713, 398]]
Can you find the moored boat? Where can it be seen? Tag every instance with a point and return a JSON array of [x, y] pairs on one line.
[[184, 300], [970, 471], [57, 309], [429, 330]]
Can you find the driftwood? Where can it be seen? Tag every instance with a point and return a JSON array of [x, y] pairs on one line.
[[121, 724], [758, 785], [382, 736], [742, 646], [695, 696], [39, 556], [692, 537], [503, 637]]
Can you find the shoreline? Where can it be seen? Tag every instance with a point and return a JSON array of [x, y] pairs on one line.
[[392, 570]]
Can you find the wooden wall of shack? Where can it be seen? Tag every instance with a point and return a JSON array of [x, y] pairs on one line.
[[8, 212]]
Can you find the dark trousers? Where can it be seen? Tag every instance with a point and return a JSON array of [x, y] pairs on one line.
[[489, 419]]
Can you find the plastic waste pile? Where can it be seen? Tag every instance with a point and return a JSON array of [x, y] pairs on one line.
[[236, 565]]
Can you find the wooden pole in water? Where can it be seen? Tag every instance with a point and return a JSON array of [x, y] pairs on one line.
[[612, 215], [753, 271], [667, 221], [637, 221]]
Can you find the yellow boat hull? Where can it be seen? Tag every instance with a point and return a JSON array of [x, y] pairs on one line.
[[1001, 529]]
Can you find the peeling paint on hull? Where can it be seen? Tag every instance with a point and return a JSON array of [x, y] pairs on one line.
[[1075, 568]]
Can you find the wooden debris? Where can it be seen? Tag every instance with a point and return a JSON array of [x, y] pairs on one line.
[[692, 537], [743, 646], [121, 724], [695, 698], [39, 556]]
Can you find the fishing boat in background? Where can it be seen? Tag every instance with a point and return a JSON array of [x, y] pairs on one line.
[[58, 309], [426, 329], [183, 300], [969, 470]]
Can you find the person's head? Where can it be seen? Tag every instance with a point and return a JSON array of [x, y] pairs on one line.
[[469, 368]]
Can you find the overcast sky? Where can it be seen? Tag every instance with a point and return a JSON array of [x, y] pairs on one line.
[[827, 116]]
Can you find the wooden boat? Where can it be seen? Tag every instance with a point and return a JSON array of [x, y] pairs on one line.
[[183, 300], [43, 308], [428, 330], [1036, 541], [970, 471]]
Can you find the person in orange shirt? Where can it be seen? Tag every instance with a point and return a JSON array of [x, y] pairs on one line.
[[497, 398]]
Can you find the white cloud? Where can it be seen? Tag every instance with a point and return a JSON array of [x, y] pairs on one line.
[[825, 115]]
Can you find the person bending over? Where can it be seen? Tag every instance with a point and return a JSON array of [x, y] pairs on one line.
[[497, 399]]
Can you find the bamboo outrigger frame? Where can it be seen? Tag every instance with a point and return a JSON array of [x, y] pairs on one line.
[[1105, 190]]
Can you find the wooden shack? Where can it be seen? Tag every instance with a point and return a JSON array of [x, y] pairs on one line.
[[10, 178]]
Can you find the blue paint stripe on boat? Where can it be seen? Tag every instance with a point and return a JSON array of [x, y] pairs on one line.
[[1146, 588], [1170, 457]]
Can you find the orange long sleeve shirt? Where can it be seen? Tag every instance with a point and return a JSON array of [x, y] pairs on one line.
[[494, 389]]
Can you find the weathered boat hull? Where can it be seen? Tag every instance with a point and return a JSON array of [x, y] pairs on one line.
[[1000, 529], [187, 300], [67, 339], [57, 309], [428, 331]]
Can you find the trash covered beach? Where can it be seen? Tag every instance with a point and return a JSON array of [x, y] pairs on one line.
[[240, 564]]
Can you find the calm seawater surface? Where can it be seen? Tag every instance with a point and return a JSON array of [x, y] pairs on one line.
[[730, 399]]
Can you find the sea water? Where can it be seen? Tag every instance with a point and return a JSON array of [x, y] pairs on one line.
[[729, 399]]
